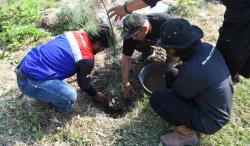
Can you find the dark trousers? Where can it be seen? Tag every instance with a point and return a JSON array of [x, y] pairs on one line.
[[234, 44], [179, 111]]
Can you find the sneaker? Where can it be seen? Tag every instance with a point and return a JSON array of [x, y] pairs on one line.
[[148, 55]]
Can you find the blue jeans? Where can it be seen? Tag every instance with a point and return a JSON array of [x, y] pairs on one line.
[[56, 92]]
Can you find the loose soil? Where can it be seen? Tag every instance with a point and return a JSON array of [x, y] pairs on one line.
[[155, 81], [106, 78]]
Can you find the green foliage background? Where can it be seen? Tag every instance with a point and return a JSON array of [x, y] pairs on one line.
[[19, 19], [18, 23], [77, 16]]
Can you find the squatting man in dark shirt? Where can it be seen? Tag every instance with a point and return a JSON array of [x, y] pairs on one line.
[[41, 73], [200, 90], [140, 32]]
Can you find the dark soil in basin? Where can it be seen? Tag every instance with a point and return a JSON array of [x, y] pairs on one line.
[[155, 81]]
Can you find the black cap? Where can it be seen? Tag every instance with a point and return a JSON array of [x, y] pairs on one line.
[[179, 33], [131, 24]]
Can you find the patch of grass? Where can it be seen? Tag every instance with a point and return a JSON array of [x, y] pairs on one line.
[[186, 8], [145, 126], [19, 122], [49, 3], [75, 138], [208, 15], [18, 23]]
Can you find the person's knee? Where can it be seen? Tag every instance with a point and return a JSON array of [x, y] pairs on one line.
[[68, 96], [67, 105], [211, 128], [71, 96]]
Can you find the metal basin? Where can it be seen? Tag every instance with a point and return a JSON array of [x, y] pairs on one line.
[[148, 69]]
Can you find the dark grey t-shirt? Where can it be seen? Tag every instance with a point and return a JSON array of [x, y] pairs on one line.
[[206, 79], [156, 20]]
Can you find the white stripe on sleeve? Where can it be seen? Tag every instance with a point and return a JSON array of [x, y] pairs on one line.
[[74, 46]]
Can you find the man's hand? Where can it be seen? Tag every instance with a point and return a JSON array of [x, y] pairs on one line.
[[100, 97], [127, 91], [117, 11]]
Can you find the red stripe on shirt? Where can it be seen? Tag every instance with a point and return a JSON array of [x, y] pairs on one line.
[[84, 44]]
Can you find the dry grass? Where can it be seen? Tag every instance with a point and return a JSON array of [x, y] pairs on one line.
[[208, 16]]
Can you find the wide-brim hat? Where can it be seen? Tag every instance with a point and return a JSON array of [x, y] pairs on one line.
[[132, 24], [179, 33]]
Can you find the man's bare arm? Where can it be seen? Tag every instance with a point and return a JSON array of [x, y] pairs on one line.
[[127, 88]]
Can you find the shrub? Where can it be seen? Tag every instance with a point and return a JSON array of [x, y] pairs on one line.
[[78, 16]]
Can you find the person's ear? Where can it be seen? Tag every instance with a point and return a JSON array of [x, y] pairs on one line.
[[96, 45], [144, 28]]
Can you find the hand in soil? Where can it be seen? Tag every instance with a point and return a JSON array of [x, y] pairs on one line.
[[128, 91], [100, 97]]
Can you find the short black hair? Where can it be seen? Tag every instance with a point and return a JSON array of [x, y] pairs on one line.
[[104, 35]]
